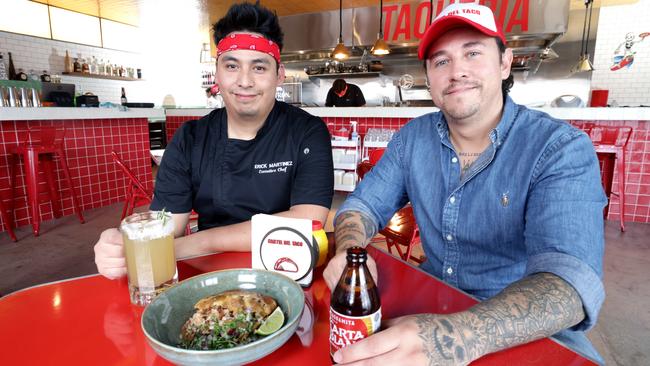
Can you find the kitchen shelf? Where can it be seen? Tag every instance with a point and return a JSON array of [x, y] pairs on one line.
[[344, 188], [345, 166], [97, 76], [367, 74], [344, 143], [375, 144]]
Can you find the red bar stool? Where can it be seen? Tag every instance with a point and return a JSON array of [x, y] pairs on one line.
[[7, 220], [40, 147], [610, 143], [136, 192]]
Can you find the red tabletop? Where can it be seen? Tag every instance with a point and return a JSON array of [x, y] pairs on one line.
[[90, 321]]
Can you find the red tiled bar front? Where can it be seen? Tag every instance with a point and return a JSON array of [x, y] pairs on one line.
[[637, 189], [90, 138]]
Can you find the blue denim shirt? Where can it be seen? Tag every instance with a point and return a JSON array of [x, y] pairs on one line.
[[532, 202]]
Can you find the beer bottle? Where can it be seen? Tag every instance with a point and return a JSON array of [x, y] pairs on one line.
[[355, 310], [123, 97]]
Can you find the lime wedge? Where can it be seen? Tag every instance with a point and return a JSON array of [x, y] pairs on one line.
[[272, 323]]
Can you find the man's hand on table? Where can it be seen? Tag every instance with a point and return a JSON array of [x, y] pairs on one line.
[[424, 339], [109, 254], [332, 272]]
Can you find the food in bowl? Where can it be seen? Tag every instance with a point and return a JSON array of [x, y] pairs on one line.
[[230, 319]]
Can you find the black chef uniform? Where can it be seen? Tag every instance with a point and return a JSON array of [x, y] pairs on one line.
[[227, 181], [353, 97]]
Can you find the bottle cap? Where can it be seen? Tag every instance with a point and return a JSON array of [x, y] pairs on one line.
[[316, 225]]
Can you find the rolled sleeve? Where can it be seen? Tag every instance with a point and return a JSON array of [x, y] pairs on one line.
[[581, 276], [564, 220]]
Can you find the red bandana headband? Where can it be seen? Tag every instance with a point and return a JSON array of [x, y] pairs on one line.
[[247, 41]]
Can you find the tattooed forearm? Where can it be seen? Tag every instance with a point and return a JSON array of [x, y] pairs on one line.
[[532, 308], [353, 228]]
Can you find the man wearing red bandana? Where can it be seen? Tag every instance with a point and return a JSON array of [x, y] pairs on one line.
[[256, 155]]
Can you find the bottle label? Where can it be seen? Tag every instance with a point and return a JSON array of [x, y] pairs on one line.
[[346, 330]]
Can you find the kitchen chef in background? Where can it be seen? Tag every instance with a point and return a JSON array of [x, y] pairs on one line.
[[342, 94], [256, 155], [508, 201]]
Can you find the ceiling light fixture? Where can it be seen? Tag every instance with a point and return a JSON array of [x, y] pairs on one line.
[[380, 47], [340, 51], [584, 64]]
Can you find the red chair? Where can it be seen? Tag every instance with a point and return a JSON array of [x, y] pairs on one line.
[[136, 192], [401, 232], [375, 154], [610, 143], [40, 147], [7, 220]]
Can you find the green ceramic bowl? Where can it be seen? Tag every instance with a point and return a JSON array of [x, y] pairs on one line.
[[163, 318]]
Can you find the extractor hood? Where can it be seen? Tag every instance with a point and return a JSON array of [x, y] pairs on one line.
[[531, 27]]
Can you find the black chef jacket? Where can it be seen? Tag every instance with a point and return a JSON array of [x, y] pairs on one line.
[[227, 181], [353, 97]]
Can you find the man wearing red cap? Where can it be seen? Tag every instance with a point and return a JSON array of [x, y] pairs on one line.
[[508, 202], [256, 155]]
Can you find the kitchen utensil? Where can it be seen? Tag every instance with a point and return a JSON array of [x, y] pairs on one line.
[[567, 101]]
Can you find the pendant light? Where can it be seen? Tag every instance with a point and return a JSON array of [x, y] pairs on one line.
[[584, 64], [340, 51], [380, 47]]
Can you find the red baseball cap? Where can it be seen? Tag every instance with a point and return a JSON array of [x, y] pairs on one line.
[[459, 15]]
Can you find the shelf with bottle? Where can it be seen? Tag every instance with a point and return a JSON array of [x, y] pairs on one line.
[[100, 76]]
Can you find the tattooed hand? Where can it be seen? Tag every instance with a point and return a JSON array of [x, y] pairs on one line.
[[332, 272], [424, 339], [353, 228]]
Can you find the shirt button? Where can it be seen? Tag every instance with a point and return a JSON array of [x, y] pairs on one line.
[[450, 271], [454, 159], [449, 237], [452, 199]]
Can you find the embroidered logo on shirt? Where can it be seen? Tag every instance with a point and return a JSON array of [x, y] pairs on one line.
[[275, 167], [505, 200]]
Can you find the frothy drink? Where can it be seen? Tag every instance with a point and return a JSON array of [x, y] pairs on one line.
[[149, 249]]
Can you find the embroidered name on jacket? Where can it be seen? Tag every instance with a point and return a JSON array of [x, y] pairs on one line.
[[276, 167]]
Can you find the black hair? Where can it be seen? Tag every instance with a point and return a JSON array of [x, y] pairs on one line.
[[338, 85], [507, 83], [250, 18]]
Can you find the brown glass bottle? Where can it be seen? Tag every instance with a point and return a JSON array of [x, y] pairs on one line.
[[12, 69], [355, 309]]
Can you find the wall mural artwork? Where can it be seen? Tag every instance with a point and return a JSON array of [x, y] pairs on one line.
[[623, 55]]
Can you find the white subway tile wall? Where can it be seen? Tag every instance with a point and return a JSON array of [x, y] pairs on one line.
[[173, 34], [627, 86], [38, 54]]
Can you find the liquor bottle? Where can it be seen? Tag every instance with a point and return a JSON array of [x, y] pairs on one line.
[[67, 63], [93, 66], [355, 309], [76, 66], [3, 68], [12, 70], [123, 98], [85, 68]]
